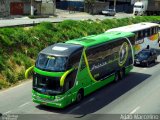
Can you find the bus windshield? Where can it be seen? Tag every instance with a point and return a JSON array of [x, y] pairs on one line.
[[51, 63]]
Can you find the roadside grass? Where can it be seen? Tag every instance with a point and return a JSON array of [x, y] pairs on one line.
[[20, 46]]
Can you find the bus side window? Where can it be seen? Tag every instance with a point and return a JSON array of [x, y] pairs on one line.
[[148, 32], [152, 29], [140, 34], [136, 35], [75, 59], [156, 29]]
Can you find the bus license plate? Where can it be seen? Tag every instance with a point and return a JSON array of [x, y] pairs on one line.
[[44, 103]]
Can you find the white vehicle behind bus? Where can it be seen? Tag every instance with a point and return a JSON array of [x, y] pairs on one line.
[[140, 7], [147, 35], [147, 7]]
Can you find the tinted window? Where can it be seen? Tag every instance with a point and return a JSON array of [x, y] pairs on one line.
[[104, 59], [51, 63], [75, 59]]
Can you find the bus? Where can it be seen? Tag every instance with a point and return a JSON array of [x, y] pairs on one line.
[[147, 35], [66, 72]]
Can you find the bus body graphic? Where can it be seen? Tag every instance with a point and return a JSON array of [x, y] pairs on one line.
[[65, 72]]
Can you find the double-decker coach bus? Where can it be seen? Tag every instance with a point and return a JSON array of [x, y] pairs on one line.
[[66, 72], [147, 35]]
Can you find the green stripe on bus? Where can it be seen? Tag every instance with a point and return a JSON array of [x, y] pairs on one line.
[[51, 74], [87, 65]]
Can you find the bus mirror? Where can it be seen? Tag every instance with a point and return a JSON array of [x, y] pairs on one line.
[[28, 71]]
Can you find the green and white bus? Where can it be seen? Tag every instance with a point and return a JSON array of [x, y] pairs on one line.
[[66, 72], [147, 35]]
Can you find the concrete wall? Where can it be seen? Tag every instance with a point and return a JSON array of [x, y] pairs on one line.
[[44, 7], [97, 7], [4, 8], [47, 9]]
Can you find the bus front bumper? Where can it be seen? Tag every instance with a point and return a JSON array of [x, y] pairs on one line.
[[57, 103]]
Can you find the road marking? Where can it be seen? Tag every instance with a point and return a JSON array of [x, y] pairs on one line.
[[15, 87], [7, 112], [91, 99], [23, 104], [73, 109], [137, 108]]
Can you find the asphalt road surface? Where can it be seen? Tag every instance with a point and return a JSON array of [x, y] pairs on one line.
[[137, 93]]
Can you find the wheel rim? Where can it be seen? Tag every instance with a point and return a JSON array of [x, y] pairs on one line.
[[121, 74], [79, 97], [147, 64], [116, 77]]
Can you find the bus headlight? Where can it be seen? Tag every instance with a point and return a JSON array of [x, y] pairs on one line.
[[59, 98]]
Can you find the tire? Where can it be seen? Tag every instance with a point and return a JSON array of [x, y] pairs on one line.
[[147, 64], [122, 74], [116, 76], [79, 96], [154, 61]]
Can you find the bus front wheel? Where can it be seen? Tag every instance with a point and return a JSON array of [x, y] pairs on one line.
[[79, 96]]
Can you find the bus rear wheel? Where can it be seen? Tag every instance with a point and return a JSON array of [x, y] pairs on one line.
[[122, 73], [116, 78], [79, 96]]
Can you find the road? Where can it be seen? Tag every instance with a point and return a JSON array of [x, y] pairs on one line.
[[137, 93], [65, 16]]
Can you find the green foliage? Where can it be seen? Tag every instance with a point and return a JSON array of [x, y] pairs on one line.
[[22, 60], [22, 45], [10, 76]]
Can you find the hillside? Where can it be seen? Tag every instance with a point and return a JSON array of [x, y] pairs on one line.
[[20, 46]]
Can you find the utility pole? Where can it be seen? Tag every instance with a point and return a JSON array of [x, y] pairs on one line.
[[32, 7], [115, 4]]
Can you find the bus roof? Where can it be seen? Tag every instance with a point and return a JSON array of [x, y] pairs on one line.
[[134, 27], [99, 39], [61, 49]]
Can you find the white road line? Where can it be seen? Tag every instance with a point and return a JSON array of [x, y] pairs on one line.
[[82, 104], [91, 99], [133, 111], [7, 112], [14, 87], [73, 109], [23, 104]]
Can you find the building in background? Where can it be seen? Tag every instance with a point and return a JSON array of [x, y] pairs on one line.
[[81, 5], [45, 7], [4, 8], [122, 5], [23, 7], [70, 4]]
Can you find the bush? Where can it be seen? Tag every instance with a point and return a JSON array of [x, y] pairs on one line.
[[21, 45]]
